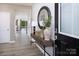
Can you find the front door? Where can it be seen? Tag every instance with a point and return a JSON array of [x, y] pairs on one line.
[[4, 27]]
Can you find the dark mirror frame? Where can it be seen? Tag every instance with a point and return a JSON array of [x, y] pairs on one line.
[[49, 14]]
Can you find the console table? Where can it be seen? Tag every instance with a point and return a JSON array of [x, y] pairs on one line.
[[43, 43]]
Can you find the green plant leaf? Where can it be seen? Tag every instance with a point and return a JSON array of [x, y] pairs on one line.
[[47, 22]]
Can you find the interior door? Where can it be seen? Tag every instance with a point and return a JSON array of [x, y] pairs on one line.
[[4, 27]]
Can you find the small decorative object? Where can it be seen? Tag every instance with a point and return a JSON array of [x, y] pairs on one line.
[[47, 33], [34, 24], [44, 21]]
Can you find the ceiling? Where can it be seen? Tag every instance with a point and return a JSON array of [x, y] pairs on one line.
[[24, 4]]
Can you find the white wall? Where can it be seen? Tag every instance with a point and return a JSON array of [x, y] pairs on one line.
[[21, 15], [35, 9]]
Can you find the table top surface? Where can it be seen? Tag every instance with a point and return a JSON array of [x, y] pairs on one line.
[[42, 41]]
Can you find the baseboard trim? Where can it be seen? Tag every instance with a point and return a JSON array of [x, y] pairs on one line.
[[11, 42], [8, 42]]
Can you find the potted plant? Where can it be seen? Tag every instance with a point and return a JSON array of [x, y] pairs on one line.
[[47, 22]]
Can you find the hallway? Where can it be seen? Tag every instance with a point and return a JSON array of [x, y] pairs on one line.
[[21, 47]]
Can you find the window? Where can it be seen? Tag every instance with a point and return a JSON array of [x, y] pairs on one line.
[[69, 19]]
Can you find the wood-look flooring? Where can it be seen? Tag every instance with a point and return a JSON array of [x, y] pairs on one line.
[[21, 47]]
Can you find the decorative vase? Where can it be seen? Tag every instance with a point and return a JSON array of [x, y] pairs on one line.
[[47, 34]]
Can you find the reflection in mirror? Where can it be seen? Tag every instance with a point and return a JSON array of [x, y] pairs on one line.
[[44, 17]]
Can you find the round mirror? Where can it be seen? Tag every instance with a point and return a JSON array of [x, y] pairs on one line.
[[44, 17]]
